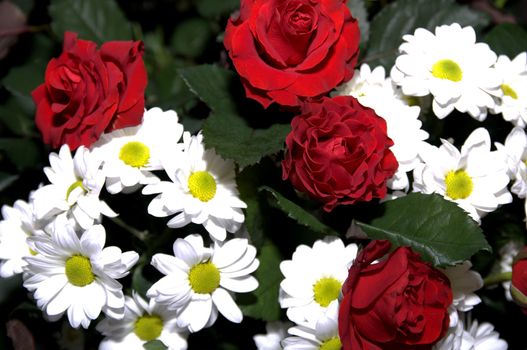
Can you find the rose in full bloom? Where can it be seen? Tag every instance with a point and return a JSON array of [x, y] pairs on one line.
[[287, 50], [338, 152], [399, 302], [89, 91], [519, 279]]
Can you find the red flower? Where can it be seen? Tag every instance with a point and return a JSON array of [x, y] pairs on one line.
[[398, 303], [519, 279], [88, 91], [287, 50], [338, 152]]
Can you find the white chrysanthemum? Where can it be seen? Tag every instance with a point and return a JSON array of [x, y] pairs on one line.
[[198, 280], [464, 283], [314, 277], [74, 190], [143, 322], [77, 276], [130, 154], [17, 225], [513, 103], [276, 332], [452, 67], [203, 190], [475, 178], [323, 335], [506, 258], [515, 149]]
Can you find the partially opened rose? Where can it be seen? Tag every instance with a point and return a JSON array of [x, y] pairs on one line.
[[288, 50], [89, 91], [519, 279], [393, 301], [338, 152]]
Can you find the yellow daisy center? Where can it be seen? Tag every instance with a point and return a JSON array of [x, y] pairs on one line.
[[78, 271], [331, 344], [326, 290], [459, 184], [74, 186], [509, 91], [202, 185], [135, 154], [148, 327], [447, 69], [204, 278]]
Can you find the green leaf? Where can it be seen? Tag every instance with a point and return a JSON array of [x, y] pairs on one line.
[[24, 153], [404, 16], [7, 180], [299, 214], [97, 20], [507, 39], [215, 9], [191, 37], [255, 220], [436, 228], [17, 115], [263, 302], [155, 345], [359, 12], [233, 138], [211, 84]]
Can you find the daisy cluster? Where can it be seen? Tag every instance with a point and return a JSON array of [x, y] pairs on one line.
[[57, 239]]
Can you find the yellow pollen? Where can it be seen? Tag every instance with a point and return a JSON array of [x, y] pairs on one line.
[[204, 278], [148, 327], [202, 185], [78, 271], [135, 154], [32, 252], [447, 69], [508, 91], [74, 186], [326, 290], [459, 184], [331, 344]]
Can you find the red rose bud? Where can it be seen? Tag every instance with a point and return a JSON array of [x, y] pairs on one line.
[[519, 279], [338, 152], [400, 302], [286, 51], [89, 91]]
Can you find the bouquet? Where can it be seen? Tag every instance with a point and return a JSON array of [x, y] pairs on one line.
[[269, 174]]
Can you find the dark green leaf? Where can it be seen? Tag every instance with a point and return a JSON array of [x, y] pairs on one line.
[[215, 9], [8, 286], [155, 345], [6, 180], [211, 84], [507, 39], [139, 283], [97, 20], [404, 16], [359, 12], [299, 214], [191, 37], [438, 229], [248, 182], [232, 138], [24, 153], [263, 302], [17, 115]]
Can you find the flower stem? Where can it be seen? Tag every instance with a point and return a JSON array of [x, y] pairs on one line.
[[497, 278], [141, 235]]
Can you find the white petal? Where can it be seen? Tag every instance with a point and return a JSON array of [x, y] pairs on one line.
[[226, 305]]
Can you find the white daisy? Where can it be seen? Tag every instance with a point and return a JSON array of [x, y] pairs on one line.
[[452, 67], [475, 178], [513, 102], [314, 277], [198, 280], [17, 225], [129, 154], [464, 283], [77, 276], [276, 332], [324, 335], [74, 190], [143, 322], [515, 149], [203, 190]]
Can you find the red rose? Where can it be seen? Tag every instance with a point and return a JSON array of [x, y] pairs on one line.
[[398, 303], [287, 50], [88, 91], [519, 279], [338, 152]]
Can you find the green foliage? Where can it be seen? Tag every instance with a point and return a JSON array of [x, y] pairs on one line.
[[507, 39], [155, 345], [215, 9], [191, 37], [24, 153], [438, 229], [17, 114], [97, 20], [404, 16], [359, 12], [263, 302], [299, 214]]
